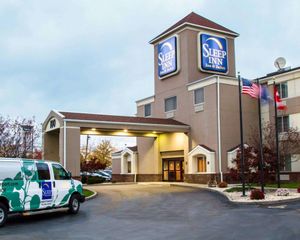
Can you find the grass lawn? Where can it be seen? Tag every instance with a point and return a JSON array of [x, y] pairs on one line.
[[87, 192]]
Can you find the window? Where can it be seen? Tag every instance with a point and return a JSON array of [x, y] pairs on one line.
[[10, 170], [43, 171], [147, 110], [282, 89], [286, 163], [199, 96], [128, 167], [283, 124], [59, 172], [201, 164], [170, 104]]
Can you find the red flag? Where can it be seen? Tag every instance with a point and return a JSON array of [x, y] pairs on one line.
[[280, 104]]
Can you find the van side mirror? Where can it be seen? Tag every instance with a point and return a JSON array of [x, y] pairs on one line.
[[69, 175]]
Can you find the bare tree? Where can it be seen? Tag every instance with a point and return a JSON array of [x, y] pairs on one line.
[[15, 139]]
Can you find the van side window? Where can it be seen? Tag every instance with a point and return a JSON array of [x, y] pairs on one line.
[[10, 170], [59, 172], [43, 171]]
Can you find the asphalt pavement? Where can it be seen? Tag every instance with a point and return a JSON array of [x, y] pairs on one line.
[[159, 212]]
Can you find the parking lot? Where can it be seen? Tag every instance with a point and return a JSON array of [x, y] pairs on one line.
[[159, 212]]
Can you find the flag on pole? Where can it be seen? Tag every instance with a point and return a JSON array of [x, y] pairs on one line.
[[265, 95], [250, 88], [280, 105]]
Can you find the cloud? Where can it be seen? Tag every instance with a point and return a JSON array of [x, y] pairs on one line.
[[94, 56]]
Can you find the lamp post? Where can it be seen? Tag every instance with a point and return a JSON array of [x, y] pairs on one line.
[[27, 129]]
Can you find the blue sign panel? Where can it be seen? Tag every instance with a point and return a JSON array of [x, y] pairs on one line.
[[167, 57], [46, 190], [213, 53]]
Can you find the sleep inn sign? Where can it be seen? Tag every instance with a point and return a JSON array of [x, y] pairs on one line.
[[213, 53]]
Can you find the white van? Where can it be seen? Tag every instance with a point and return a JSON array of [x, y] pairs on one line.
[[31, 185]]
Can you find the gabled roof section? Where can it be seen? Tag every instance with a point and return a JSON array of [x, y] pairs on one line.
[[194, 19], [120, 119], [134, 148]]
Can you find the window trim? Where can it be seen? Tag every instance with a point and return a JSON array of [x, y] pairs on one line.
[[173, 110]]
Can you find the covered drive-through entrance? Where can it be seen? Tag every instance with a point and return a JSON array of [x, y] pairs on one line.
[[167, 138]]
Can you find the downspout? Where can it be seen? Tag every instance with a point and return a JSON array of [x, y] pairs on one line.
[[65, 142], [219, 128]]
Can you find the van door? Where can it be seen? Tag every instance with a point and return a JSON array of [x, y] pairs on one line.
[[31, 191], [45, 185], [62, 185]]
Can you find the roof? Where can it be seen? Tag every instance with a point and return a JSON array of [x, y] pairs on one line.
[[206, 147], [195, 19], [134, 148], [119, 119], [237, 147], [286, 70]]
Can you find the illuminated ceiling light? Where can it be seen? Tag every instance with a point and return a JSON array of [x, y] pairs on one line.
[[93, 129], [154, 132], [125, 130]]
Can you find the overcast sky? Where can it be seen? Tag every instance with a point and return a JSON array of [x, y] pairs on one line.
[[94, 56]]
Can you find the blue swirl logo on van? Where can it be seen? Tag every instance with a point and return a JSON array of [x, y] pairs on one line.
[[46, 191], [167, 56], [213, 53]]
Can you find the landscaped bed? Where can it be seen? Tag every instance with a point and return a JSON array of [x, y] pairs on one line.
[[234, 193]]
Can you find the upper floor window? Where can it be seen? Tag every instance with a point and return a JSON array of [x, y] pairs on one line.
[[170, 104], [283, 124], [282, 89], [147, 110], [199, 96]]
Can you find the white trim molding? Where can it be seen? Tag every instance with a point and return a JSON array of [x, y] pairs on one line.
[[145, 101], [201, 151], [212, 80]]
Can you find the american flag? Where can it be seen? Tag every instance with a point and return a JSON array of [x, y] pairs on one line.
[[250, 88]]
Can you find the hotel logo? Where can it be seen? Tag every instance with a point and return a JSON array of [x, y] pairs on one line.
[[213, 53], [167, 57]]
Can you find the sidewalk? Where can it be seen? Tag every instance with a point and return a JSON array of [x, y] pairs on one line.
[[235, 197]]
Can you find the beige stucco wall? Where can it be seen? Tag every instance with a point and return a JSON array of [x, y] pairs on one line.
[[51, 146], [148, 159], [116, 165]]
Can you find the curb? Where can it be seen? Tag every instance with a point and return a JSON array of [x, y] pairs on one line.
[[255, 202], [92, 196]]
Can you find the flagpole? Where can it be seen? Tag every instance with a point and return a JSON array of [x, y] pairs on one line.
[[277, 139], [242, 137], [261, 162]]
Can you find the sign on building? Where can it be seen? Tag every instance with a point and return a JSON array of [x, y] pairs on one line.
[[168, 57], [213, 55], [52, 124]]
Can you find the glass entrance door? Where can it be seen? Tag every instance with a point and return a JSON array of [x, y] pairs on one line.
[[173, 170]]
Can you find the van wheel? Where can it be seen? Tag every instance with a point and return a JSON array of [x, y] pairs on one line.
[[74, 204], [3, 214]]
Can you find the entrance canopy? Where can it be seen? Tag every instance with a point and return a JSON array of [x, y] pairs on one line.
[[62, 130]]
